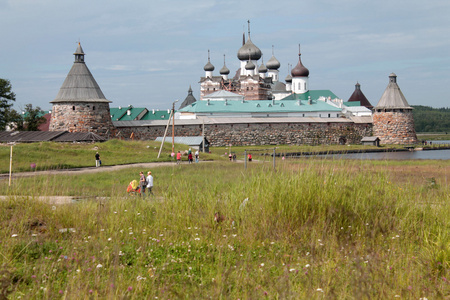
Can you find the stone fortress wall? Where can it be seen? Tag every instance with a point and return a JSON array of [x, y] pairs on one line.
[[246, 134], [394, 127], [82, 117]]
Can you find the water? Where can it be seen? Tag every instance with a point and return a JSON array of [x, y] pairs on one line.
[[427, 154]]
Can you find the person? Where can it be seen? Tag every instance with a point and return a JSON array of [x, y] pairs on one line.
[[230, 157], [149, 182], [196, 156], [249, 157], [190, 157], [178, 157], [142, 183], [97, 160]]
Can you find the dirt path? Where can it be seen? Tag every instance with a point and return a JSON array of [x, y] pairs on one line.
[[88, 170]]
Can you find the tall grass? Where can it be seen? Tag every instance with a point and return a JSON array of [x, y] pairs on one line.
[[314, 229]]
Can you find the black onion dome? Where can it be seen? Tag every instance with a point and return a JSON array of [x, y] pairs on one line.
[[300, 70], [273, 63], [224, 70], [208, 67], [288, 78], [262, 68], [250, 65], [249, 50]]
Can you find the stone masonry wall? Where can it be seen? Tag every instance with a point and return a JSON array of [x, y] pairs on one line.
[[82, 117], [394, 127], [244, 134]]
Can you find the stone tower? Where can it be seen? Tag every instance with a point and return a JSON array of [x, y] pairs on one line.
[[393, 121], [80, 105]]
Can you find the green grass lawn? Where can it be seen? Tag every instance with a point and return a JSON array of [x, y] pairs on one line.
[[312, 229], [50, 155]]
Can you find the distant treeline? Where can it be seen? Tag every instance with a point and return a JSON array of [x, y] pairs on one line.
[[429, 119]]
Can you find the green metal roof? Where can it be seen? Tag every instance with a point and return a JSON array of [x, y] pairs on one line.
[[117, 112], [315, 94], [157, 115], [266, 106], [120, 113]]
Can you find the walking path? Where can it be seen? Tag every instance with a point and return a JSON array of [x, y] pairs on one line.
[[88, 170]]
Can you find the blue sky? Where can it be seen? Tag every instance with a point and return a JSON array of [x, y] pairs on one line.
[[148, 53]]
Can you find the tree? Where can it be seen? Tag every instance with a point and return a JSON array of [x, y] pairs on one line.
[[33, 118], [6, 96]]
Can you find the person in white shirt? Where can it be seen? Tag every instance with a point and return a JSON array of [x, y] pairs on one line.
[[149, 182]]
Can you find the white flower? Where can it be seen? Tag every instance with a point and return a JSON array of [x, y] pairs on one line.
[[139, 278], [109, 239], [319, 290], [197, 239], [99, 266], [291, 270], [307, 265], [262, 264], [53, 207], [14, 235]]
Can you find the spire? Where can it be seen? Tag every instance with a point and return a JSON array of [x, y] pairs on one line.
[[300, 70], [209, 66], [224, 70], [79, 54], [248, 21]]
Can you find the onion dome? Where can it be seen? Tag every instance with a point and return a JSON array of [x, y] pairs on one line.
[[262, 68], [249, 49], [209, 66], [273, 63], [300, 70], [224, 70], [250, 65], [288, 78]]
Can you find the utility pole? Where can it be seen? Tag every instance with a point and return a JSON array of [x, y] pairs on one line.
[[173, 126]]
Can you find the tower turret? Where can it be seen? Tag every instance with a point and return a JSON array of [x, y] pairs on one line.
[[393, 121], [80, 105]]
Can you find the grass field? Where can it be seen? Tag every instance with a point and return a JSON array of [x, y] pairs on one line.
[[312, 229]]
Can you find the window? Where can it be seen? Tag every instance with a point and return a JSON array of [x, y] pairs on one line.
[[93, 107], [73, 107]]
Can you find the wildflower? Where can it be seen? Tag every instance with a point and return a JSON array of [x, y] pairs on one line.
[[91, 291], [130, 288], [319, 290], [291, 270], [60, 291], [262, 265], [14, 235], [307, 265], [99, 266], [109, 239], [53, 207], [139, 278]]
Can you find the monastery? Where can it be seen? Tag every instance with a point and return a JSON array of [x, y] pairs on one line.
[[254, 107]]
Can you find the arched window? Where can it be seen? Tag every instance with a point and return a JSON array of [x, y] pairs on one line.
[[73, 107]]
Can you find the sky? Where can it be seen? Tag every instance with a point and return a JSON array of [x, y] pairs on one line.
[[147, 53]]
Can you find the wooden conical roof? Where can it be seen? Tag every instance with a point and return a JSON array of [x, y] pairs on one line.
[[80, 85]]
